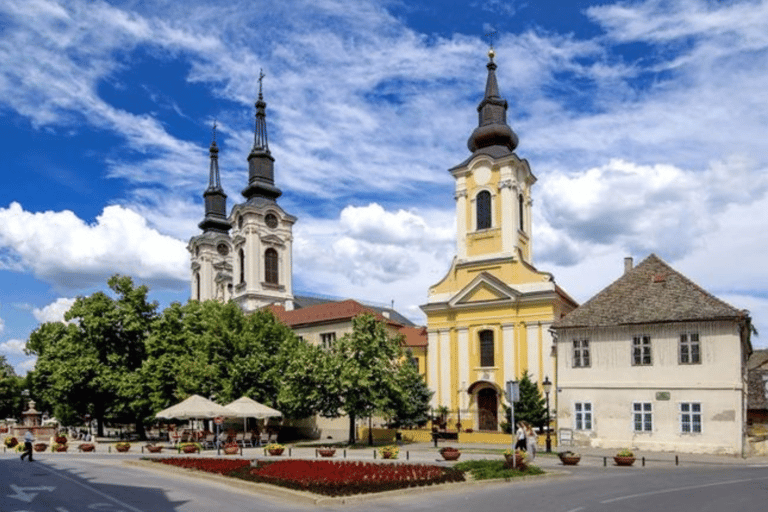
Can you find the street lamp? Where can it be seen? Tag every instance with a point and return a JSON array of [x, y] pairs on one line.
[[547, 386]]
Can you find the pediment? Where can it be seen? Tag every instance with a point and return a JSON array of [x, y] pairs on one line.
[[483, 289], [272, 240]]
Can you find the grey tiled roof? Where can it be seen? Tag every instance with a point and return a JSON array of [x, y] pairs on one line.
[[651, 292]]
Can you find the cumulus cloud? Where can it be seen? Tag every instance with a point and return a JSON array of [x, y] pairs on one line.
[[2, 325], [14, 347], [25, 366], [53, 312], [62, 249]]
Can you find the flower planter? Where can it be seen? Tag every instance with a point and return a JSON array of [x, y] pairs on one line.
[[231, 450], [61, 448], [450, 453], [519, 461], [61, 439], [40, 447], [570, 460], [326, 452], [189, 449], [86, 447], [388, 455], [154, 449], [276, 451], [624, 461]]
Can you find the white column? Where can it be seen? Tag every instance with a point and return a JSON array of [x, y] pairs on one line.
[[463, 362], [253, 260], [508, 203], [548, 361], [461, 222], [445, 367], [433, 361], [532, 346], [508, 349]]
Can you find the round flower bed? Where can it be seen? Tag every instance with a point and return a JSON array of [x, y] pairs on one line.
[[231, 449], [122, 447], [154, 449], [450, 453], [326, 452], [189, 447], [624, 458], [569, 458], [87, 447], [40, 447], [275, 449]]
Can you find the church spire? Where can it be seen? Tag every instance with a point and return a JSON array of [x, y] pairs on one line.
[[492, 129], [261, 172], [215, 198]]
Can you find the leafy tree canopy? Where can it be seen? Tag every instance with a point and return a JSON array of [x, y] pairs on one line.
[[531, 407]]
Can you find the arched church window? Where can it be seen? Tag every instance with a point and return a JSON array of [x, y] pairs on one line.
[[197, 285], [486, 348], [241, 262], [483, 202], [520, 204], [270, 266]]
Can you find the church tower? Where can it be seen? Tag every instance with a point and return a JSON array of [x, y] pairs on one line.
[[246, 257], [488, 319]]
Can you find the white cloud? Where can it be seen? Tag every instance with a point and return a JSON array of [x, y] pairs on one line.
[[25, 366], [15, 347], [62, 249], [2, 325], [53, 312]]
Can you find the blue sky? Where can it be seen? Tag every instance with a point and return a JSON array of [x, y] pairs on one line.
[[644, 121]]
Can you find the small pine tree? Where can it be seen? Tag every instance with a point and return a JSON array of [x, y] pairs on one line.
[[531, 407]]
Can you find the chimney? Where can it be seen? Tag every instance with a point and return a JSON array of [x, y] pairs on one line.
[[627, 264]]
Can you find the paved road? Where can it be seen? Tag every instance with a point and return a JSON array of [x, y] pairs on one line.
[[74, 483]]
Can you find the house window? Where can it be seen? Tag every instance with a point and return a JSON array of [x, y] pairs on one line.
[[270, 266], [486, 348], [327, 339], [415, 362], [643, 416], [241, 259], [483, 203], [582, 412], [690, 417], [641, 350], [690, 349], [580, 353]]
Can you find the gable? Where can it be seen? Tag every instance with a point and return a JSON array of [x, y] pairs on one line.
[[483, 289]]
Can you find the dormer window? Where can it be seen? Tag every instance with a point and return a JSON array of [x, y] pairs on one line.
[[483, 204]]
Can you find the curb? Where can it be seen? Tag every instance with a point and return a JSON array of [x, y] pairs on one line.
[[310, 498]]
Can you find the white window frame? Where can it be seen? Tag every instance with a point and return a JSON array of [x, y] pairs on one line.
[[327, 339], [686, 339], [494, 222], [645, 411], [581, 353], [582, 416], [687, 409], [643, 346]]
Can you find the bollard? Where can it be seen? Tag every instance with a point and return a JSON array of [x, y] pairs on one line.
[[241, 451], [315, 452], [605, 461], [676, 461], [374, 454], [289, 451], [110, 449], [345, 453], [643, 460], [407, 455]]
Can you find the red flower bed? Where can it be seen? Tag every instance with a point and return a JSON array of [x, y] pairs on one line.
[[342, 478], [220, 466]]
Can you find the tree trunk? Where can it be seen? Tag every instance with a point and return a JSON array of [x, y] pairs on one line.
[[100, 426], [351, 429], [140, 431]]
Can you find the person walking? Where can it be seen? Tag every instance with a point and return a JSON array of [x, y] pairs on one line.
[[29, 438], [520, 434], [531, 439]]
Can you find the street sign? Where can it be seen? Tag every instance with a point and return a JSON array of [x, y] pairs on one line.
[[513, 391], [219, 420]]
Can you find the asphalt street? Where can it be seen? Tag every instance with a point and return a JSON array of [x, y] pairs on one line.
[[75, 482]]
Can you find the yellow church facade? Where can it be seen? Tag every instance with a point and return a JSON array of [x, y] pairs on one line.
[[489, 318]]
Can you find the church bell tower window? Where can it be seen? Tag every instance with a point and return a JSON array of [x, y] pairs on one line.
[[241, 261], [270, 266], [483, 210]]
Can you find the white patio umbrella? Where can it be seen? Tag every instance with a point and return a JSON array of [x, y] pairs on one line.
[[194, 407], [245, 407]]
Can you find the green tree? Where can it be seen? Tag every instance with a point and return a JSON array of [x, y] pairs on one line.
[[11, 386], [410, 396], [531, 407], [88, 365]]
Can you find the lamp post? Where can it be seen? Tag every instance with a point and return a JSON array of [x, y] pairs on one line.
[[547, 386]]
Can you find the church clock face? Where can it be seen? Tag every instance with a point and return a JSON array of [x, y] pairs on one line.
[[223, 249], [271, 220]]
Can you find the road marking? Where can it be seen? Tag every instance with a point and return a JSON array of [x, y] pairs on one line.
[[678, 489], [23, 495], [96, 491], [576, 509]]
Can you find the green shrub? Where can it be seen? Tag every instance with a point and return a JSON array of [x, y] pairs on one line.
[[488, 469]]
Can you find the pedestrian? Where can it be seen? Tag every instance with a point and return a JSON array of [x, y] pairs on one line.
[[531, 439], [29, 438], [520, 433]]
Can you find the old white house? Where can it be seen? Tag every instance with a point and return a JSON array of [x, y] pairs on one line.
[[653, 362]]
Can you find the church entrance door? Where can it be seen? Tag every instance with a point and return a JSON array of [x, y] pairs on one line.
[[487, 409]]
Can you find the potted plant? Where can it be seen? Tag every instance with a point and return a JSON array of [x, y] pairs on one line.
[[231, 449], [189, 447], [624, 458], [518, 456], [153, 448], [450, 453], [40, 447], [10, 442], [122, 446], [569, 458], [61, 439], [326, 451], [389, 452], [275, 448], [58, 447], [87, 447]]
